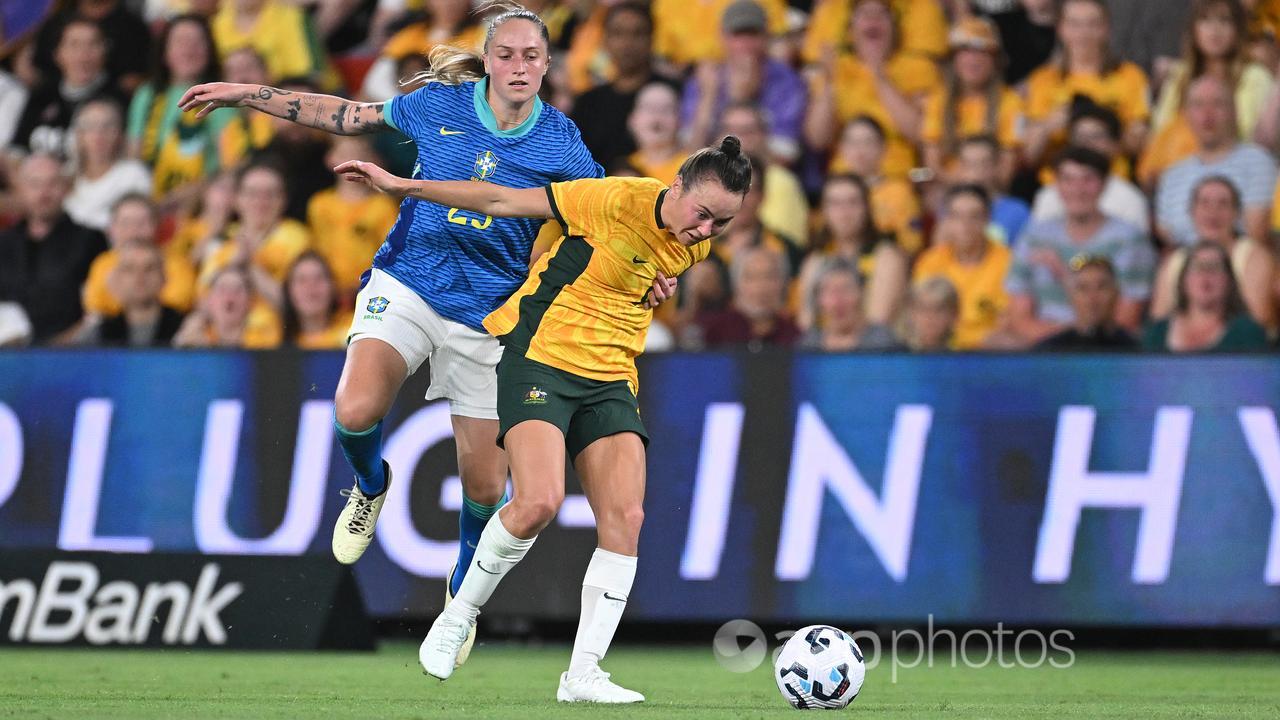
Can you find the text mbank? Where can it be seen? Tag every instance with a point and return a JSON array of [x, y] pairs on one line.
[[71, 603]]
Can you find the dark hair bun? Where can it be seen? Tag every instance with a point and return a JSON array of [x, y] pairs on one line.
[[731, 146]]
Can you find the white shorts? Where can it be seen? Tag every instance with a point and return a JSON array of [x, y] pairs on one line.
[[463, 361]]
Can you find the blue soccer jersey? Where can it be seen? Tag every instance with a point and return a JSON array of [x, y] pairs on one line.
[[464, 264]]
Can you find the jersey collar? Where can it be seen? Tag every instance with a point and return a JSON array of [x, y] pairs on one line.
[[657, 209], [480, 98]]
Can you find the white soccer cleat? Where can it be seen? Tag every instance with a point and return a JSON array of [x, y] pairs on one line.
[[465, 652], [354, 530], [438, 653], [594, 686]]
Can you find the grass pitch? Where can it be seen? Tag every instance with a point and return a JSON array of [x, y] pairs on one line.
[[503, 681]]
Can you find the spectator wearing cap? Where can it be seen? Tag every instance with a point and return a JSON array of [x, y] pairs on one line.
[[45, 258], [1209, 314], [1084, 65], [923, 23], [1094, 295], [978, 163], [1037, 282], [1097, 128], [975, 101], [1215, 212], [1216, 40], [80, 56], [683, 31], [1211, 113], [974, 264], [877, 80], [601, 112], [746, 75]]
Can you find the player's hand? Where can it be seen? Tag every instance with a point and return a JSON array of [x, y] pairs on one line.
[[664, 288], [371, 175], [215, 95]]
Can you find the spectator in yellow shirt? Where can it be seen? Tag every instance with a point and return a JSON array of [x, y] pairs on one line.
[[923, 23], [1084, 66], [250, 131], [655, 125], [877, 80], [349, 220], [315, 316], [849, 232], [971, 261], [1215, 46], [974, 102], [685, 30], [280, 32], [181, 149], [897, 207], [263, 239], [134, 222], [229, 317]]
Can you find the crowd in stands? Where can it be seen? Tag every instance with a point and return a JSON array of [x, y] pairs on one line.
[[930, 175]]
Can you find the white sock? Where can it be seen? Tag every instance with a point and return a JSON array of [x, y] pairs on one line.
[[605, 588], [497, 552]]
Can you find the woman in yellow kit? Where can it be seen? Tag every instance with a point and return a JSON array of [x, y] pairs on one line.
[[567, 377]]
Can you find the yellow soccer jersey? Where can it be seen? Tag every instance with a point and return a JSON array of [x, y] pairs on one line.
[[582, 309]]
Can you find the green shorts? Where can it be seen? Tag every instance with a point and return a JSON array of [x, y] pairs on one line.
[[585, 410]]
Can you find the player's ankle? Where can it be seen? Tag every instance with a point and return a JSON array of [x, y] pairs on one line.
[[580, 666]]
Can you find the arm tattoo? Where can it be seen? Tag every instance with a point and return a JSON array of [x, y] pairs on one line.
[[373, 119], [266, 93], [339, 118], [294, 107]]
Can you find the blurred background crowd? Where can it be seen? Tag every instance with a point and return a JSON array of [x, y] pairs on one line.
[[933, 175]]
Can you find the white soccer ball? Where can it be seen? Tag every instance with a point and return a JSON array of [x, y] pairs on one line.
[[819, 667]]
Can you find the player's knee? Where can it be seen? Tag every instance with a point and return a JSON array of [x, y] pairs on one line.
[[632, 519], [540, 509], [355, 412]]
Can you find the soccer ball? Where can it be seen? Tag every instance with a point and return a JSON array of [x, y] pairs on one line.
[[819, 667]]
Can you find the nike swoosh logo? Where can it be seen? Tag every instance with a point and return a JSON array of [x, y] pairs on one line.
[[636, 259], [471, 545], [607, 596], [491, 572], [451, 132]]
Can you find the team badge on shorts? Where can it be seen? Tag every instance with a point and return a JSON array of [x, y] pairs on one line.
[[535, 396], [377, 305]]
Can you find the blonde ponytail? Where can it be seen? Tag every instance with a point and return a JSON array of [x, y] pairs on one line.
[[449, 65]]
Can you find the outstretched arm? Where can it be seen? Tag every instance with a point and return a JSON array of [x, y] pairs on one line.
[[481, 197], [326, 112]]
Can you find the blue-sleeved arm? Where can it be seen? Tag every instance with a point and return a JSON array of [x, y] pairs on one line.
[[578, 162], [409, 113]]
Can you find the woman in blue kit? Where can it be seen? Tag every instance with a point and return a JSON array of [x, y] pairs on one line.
[[441, 270]]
